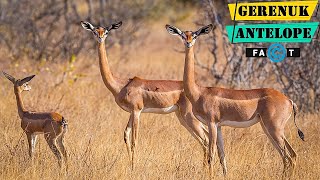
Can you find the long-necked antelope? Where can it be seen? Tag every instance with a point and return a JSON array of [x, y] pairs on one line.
[[51, 124], [218, 107], [138, 96]]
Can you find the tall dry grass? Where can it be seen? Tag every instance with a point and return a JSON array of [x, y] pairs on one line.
[[165, 149]]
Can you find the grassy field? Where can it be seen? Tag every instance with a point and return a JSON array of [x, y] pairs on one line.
[[95, 138]]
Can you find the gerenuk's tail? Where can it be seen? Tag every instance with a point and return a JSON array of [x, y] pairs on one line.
[[295, 110], [64, 123]]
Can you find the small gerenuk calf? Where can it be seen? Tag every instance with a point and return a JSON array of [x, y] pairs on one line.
[[51, 124]]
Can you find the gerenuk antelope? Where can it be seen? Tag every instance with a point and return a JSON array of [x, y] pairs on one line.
[[218, 107], [51, 124], [138, 96]]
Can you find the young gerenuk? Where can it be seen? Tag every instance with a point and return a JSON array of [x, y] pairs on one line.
[[51, 124]]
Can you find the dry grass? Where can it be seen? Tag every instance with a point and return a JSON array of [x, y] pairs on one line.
[[165, 149]]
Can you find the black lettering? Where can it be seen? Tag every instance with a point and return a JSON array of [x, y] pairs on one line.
[[269, 33], [296, 32], [263, 11], [282, 10], [242, 10], [252, 10], [278, 33], [306, 33], [240, 33], [304, 11], [287, 33], [272, 11], [260, 32], [250, 32], [292, 10]]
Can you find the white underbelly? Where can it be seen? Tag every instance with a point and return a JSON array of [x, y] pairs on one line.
[[166, 110], [239, 124], [236, 124]]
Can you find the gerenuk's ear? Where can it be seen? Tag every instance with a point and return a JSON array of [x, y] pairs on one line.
[[8, 76], [114, 26], [204, 30], [87, 26], [26, 79], [173, 30]]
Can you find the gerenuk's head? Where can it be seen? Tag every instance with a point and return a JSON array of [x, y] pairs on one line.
[[20, 84], [189, 37], [100, 32]]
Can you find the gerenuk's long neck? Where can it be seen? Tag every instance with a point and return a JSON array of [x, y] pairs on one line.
[[20, 105], [190, 86], [106, 74]]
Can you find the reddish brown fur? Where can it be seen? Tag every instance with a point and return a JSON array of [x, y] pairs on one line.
[[100, 31], [136, 94], [48, 123], [189, 36], [218, 107], [56, 117]]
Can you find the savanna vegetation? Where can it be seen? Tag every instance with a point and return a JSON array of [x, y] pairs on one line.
[[45, 38]]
